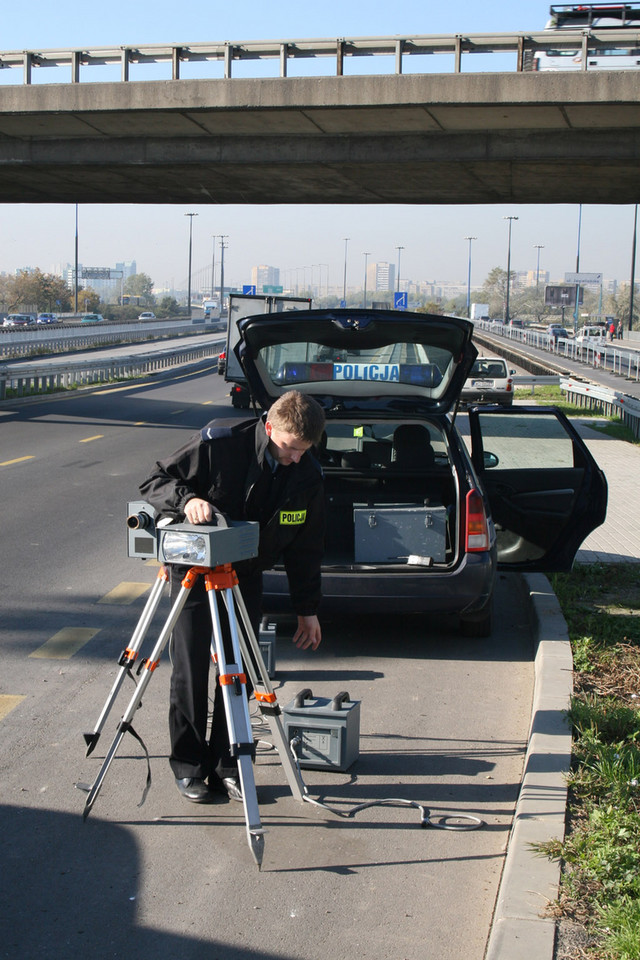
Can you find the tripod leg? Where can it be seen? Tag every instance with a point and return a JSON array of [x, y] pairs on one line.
[[150, 665], [234, 694], [129, 656], [266, 698]]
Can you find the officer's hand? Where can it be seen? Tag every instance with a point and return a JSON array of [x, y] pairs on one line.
[[198, 511], [308, 633]]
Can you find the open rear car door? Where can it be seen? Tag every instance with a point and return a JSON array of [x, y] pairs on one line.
[[546, 491]]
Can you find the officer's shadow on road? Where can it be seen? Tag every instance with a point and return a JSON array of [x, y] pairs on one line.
[[69, 893]]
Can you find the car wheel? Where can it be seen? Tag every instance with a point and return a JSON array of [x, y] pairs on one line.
[[478, 625]]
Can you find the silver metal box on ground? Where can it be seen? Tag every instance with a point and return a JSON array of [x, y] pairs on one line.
[[393, 532], [267, 644], [327, 731]]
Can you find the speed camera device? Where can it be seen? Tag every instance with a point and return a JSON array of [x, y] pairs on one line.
[[190, 544]]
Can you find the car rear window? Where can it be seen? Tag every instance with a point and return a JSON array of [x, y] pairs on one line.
[[386, 365], [497, 369]]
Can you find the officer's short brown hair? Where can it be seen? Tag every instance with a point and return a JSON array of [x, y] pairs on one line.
[[298, 414]]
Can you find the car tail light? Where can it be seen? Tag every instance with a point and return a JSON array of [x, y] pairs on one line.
[[477, 533], [509, 385]]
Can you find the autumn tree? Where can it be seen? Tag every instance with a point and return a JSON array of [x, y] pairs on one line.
[[36, 291], [140, 285]]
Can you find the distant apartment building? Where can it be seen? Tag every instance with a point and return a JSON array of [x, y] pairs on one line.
[[381, 276], [264, 276], [531, 278]]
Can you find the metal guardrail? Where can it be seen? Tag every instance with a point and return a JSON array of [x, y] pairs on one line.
[[622, 360], [24, 380], [524, 45], [604, 400], [62, 338]]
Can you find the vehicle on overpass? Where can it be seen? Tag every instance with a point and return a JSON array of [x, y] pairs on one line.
[[599, 17], [414, 522]]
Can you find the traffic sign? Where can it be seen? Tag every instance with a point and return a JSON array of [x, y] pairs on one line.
[[400, 300], [249, 288], [269, 288], [583, 278]]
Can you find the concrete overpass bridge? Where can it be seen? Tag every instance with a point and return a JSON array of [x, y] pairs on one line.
[[522, 137]]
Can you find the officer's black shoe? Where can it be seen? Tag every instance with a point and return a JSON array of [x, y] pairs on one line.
[[233, 788], [194, 789]]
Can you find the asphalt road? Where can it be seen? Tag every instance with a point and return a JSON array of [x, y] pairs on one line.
[[443, 721]]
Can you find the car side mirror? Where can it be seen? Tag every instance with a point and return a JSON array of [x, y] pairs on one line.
[[512, 373], [489, 460]]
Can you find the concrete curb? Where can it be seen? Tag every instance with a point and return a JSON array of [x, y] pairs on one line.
[[529, 882]]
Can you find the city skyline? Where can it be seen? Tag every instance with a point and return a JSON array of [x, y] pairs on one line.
[[433, 238]]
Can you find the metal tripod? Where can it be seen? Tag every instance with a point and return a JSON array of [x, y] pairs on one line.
[[221, 582]]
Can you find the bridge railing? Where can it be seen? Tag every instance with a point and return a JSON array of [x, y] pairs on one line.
[[397, 49], [22, 380]]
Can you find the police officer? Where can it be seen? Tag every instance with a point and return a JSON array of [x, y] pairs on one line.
[[259, 470]]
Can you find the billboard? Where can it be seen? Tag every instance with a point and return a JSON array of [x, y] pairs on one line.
[[559, 295]]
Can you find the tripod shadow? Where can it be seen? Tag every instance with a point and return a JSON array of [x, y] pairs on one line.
[[70, 889]]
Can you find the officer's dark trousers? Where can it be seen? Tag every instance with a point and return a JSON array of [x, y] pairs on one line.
[[192, 754]]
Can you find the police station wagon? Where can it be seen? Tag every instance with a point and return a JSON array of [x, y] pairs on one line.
[[416, 522]]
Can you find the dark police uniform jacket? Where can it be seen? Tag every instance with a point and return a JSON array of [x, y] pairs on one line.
[[225, 464]]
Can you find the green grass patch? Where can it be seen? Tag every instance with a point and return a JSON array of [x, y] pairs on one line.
[[601, 850], [547, 394]]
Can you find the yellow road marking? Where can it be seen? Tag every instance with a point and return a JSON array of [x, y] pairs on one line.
[[98, 436], [7, 463], [125, 593], [132, 386], [63, 644], [7, 703]]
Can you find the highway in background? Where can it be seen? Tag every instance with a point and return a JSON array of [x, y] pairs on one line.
[[444, 721]]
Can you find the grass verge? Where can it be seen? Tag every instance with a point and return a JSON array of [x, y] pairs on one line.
[[600, 889]]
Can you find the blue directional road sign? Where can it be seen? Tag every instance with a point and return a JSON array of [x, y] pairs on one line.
[[249, 288], [400, 301]]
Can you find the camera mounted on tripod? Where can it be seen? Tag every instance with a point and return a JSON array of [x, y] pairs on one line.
[[189, 544]]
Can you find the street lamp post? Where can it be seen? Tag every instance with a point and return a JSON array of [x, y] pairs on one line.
[[213, 268], [398, 277], [538, 247], [577, 307], [326, 267], [366, 256], [76, 269], [191, 216], [222, 237], [470, 239], [344, 282], [506, 310], [633, 266]]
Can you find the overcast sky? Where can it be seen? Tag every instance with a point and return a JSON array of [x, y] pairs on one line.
[[432, 236]]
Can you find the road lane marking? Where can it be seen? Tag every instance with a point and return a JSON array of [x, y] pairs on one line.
[[98, 436], [7, 463], [8, 702], [63, 644], [131, 386], [125, 593]]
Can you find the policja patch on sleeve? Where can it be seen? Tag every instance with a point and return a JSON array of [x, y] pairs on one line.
[[293, 517]]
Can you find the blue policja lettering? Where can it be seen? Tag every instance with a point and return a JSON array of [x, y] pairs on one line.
[[361, 371]]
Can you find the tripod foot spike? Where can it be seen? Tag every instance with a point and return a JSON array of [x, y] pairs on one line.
[[256, 841], [90, 739]]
